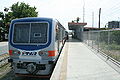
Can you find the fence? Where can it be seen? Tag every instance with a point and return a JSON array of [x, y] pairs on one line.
[[106, 41]]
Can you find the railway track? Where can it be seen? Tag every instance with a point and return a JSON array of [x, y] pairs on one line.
[[4, 59]]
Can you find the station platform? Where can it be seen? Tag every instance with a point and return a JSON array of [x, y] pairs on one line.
[[78, 62]]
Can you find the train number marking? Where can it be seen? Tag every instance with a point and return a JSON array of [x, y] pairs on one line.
[[29, 53]]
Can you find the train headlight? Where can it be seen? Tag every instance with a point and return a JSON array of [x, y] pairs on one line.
[[47, 53], [16, 52], [43, 53]]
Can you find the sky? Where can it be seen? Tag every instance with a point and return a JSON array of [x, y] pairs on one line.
[[67, 10]]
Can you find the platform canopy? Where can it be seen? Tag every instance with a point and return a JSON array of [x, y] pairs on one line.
[[73, 25]]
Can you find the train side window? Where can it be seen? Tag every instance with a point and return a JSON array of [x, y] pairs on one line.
[[57, 32], [57, 36]]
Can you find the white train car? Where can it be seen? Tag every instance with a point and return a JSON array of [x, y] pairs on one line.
[[34, 45]]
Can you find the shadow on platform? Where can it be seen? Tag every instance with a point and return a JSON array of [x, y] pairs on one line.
[[73, 40]]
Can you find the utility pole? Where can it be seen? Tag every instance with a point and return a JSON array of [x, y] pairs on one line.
[[99, 17], [83, 11], [92, 19], [118, 22]]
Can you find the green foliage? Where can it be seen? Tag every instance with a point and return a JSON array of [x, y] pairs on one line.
[[103, 36], [21, 10], [115, 37], [1, 15], [113, 47], [18, 10]]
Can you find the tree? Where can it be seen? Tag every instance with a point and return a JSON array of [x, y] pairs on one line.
[[21, 10], [17, 10], [1, 15]]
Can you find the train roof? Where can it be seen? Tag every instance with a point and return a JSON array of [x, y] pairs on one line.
[[32, 18]]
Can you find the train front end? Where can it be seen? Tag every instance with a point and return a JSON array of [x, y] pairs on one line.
[[31, 46]]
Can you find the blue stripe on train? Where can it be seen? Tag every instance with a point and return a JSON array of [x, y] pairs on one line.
[[31, 47]]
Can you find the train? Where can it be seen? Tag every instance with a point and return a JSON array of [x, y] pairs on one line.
[[35, 44]]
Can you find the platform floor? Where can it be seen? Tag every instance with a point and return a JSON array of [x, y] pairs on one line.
[[81, 63]]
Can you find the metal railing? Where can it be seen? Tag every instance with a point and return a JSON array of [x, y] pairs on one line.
[[105, 41]]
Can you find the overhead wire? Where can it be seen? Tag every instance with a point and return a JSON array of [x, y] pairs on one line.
[[112, 13]]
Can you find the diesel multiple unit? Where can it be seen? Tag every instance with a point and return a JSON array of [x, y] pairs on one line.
[[34, 45]]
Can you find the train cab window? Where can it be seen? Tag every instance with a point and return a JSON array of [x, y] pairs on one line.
[[21, 33], [30, 33], [39, 33]]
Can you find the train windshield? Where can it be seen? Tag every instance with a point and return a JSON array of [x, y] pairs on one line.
[[30, 33]]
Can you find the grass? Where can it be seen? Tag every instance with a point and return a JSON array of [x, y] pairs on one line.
[[112, 50]]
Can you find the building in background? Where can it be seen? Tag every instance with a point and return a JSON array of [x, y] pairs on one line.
[[114, 24], [77, 29]]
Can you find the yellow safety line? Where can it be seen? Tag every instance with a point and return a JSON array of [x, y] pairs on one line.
[[63, 73]]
